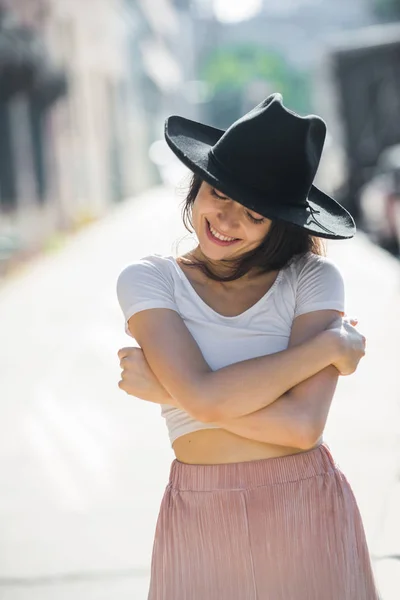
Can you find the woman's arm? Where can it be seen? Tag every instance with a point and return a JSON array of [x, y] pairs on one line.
[[235, 390], [297, 418]]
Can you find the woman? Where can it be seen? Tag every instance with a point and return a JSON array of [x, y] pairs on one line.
[[241, 342]]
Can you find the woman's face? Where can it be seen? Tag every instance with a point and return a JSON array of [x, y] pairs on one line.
[[225, 228]]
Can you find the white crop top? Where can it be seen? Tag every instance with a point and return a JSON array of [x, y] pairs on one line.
[[308, 284]]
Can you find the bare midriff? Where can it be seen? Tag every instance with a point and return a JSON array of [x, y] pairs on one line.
[[217, 446]]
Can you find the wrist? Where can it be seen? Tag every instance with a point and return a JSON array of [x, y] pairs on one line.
[[165, 398], [331, 343]]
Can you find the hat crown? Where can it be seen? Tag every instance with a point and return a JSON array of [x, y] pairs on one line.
[[272, 146], [266, 161]]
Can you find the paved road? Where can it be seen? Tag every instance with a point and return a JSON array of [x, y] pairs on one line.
[[83, 467]]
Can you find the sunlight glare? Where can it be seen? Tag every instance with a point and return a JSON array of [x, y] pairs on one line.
[[231, 11]]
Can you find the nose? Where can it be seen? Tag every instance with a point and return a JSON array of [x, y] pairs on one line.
[[229, 216]]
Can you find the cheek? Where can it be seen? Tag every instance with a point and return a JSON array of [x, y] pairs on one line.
[[197, 215], [255, 238], [202, 207], [258, 233]]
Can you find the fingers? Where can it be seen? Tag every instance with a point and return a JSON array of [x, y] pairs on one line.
[[352, 320], [123, 353], [122, 385], [129, 351], [127, 362], [123, 362]]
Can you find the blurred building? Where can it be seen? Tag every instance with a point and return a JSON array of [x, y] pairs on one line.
[[67, 160], [300, 28], [287, 34], [162, 67], [296, 28], [30, 84], [108, 73], [357, 86]]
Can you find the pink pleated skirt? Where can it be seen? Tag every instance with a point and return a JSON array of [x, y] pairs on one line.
[[285, 528]]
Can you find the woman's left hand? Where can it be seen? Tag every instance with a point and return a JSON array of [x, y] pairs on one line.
[[137, 379]]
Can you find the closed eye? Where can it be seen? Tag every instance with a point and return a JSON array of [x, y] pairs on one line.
[[216, 195], [254, 220], [249, 215]]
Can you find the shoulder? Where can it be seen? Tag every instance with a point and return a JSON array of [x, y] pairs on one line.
[[148, 270], [311, 266], [317, 284], [148, 265], [146, 283]]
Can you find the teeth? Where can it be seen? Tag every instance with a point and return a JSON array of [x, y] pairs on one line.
[[219, 236]]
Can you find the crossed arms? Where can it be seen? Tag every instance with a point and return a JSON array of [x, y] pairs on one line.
[[282, 398]]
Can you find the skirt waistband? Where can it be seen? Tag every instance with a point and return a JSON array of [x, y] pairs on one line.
[[252, 474]]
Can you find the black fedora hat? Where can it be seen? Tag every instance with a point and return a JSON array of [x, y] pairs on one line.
[[267, 161]]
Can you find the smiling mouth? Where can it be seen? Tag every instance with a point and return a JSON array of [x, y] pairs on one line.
[[217, 237]]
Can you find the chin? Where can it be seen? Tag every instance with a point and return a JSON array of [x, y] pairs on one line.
[[216, 253]]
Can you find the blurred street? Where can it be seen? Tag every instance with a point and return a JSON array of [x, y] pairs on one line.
[[83, 466], [87, 185]]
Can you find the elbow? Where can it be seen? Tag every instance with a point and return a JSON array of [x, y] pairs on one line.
[[202, 415], [204, 404], [201, 410], [213, 411], [207, 403], [206, 413], [308, 435], [199, 401]]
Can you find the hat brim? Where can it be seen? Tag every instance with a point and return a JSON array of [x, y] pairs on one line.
[[191, 142]]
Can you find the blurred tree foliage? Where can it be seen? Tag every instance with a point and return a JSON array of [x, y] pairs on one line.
[[233, 68]]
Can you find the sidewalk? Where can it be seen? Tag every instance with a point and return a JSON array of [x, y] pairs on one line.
[[364, 426], [84, 466]]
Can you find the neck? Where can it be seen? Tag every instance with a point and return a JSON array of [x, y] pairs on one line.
[[219, 267]]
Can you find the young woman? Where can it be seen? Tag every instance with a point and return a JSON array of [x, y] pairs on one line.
[[242, 341]]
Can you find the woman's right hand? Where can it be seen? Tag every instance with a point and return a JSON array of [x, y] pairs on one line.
[[351, 344], [137, 379]]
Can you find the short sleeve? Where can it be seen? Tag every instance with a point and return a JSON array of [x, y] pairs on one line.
[[320, 286], [143, 285]]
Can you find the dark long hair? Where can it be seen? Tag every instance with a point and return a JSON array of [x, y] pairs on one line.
[[282, 244]]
